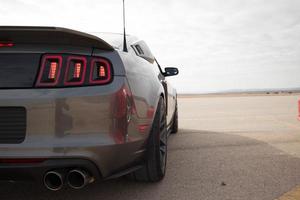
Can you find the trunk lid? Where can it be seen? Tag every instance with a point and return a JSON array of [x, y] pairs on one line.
[[20, 61], [18, 70]]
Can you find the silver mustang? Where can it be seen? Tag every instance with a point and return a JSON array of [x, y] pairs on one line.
[[75, 108]]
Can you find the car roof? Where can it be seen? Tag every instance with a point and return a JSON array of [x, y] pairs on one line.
[[116, 39]]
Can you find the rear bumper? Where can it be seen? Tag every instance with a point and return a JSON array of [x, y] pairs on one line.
[[73, 123], [35, 172]]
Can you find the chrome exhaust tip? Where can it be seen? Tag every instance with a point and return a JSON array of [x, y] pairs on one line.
[[53, 180], [77, 178]]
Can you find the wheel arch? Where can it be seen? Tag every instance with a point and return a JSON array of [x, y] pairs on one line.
[[162, 95]]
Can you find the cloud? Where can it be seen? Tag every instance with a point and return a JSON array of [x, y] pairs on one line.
[[218, 45]]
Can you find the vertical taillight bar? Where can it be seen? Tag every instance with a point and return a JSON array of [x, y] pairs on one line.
[[50, 71], [53, 70], [100, 71], [75, 71]]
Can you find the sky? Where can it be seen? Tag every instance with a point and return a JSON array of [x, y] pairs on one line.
[[217, 45]]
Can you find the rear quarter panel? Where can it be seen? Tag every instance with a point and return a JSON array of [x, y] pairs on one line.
[[145, 86]]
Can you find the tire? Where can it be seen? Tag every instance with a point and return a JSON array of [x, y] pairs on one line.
[[156, 156], [174, 128]]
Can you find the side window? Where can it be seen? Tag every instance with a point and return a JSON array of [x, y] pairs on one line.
[[142, 50], [139, 49]]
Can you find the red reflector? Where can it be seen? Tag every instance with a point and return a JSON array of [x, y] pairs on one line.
[[77, 70], [6, 44], [102, 72], [22, 160], [53, 69]]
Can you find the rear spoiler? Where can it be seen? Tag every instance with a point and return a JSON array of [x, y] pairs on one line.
[[51, 35]]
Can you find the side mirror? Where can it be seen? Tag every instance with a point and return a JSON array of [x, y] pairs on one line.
[[171, 71]]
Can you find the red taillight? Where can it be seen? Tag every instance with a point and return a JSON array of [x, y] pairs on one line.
[[50, 71], [73, 69], [75, 72], [100, 71]]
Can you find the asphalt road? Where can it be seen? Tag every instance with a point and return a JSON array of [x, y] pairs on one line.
[[227, 148]]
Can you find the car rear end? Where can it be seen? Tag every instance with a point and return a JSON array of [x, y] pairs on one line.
[[63, 107]]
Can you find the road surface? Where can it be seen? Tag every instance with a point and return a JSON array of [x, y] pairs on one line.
[[227, 148]]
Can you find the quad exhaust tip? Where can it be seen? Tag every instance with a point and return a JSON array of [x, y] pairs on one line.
[[77, 178], [53, 180]]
